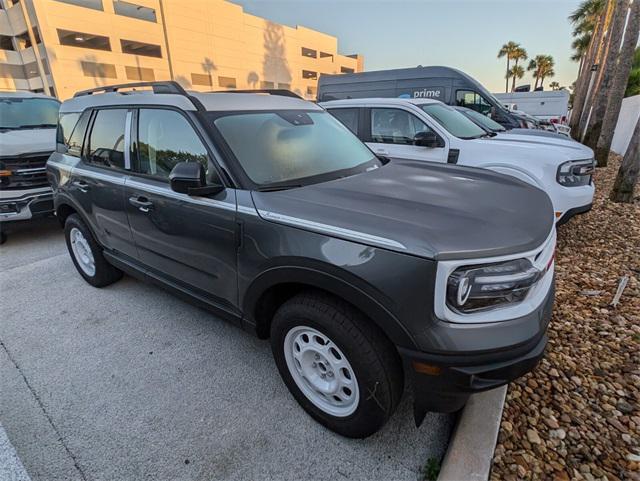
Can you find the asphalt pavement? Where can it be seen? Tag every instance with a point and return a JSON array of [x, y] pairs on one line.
[[131, 383]]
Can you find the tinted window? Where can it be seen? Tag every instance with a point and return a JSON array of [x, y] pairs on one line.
[[66, 123], [166, 138], [349, 117], [289, 145], [452, 120], [106, 143], [77, 137], [395, 126], [473, 100]]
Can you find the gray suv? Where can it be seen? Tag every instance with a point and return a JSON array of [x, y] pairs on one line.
[[362, 271]]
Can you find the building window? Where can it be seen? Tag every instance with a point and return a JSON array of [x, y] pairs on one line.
[[93, 4], [326, 55], [312, 90], [267, 85], [308, 52], [139, 48], [308, 74], [83, 40], [284, 86], [99, 70], [346, 70], [139, 73], [203, 79], [31, 69], [132, 10], [227, 82], [6, 43]]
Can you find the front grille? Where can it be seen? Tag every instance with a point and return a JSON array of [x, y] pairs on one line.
[[26, 172]]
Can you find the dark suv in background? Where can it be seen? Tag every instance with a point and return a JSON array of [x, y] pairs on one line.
[[268, 211]]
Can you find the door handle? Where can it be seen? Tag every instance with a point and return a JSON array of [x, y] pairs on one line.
[[142, 203], [81, 185]]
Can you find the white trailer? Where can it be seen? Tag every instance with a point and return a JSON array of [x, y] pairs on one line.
[[551, 105]]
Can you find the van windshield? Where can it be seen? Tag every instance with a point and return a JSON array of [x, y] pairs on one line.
[[28, 113], [484, 121], [455, 123], [293, 147]]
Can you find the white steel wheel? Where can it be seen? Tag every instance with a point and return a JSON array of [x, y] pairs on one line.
[[321, 371], [82, 252]]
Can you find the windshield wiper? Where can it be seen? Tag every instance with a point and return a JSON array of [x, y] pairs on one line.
[[36, 126], [276, 187]]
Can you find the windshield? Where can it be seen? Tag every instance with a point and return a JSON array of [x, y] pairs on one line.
[[293, 146], [28, 113], [452, 120], [484, 121]]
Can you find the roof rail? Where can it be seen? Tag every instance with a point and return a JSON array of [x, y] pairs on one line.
[[280, 92], [160, 87]]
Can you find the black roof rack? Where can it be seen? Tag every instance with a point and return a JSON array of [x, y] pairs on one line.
[[280, 92], [164, 87]]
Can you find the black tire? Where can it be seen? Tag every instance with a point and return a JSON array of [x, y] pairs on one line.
[[105, 274], [374, 359]]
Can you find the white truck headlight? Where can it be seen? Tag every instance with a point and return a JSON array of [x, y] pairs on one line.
[[477, 288], [575, 173]]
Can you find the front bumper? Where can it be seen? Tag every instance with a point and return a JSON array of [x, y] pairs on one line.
[[443, 382], [570, 201], [25, 204]]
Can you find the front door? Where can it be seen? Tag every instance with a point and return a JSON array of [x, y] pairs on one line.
[[188, 240], [392, 134]]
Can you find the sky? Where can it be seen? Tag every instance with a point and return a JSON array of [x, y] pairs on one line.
[[465, 34]]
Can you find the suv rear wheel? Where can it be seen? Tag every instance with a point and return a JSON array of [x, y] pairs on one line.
[[87, 254], [339, 367]]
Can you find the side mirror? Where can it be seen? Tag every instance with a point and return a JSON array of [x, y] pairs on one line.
[[190, 178], [426, 139]]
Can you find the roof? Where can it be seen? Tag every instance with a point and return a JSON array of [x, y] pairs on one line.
[[212, 101], [24, 94], [396, 74], [386, 100]]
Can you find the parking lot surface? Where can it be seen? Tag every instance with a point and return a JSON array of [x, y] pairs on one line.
[[131, 383]]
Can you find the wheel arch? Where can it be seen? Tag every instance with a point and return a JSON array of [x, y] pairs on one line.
[[273, 287]]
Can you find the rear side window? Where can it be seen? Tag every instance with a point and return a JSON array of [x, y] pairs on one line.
[[165, 139], [473, 100], [73, 142], [66, 123], [106, 142], [348, 117]]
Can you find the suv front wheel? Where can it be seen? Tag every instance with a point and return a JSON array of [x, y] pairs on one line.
[[340, 368], [87, 254]]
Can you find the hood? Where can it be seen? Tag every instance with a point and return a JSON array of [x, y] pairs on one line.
[[19, 142], [585, 152], [420, 208], [510, 147]]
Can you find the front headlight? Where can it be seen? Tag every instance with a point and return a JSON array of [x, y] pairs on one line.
[[477, 288], [575, 173]]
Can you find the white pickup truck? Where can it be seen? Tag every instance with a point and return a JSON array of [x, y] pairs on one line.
[[429, 130], [28, 123]]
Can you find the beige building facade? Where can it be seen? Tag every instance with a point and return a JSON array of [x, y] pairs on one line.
[[203, 44]]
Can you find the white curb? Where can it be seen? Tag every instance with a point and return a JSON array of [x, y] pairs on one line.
[[470, 451]]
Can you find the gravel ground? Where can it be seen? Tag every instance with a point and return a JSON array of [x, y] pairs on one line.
[[576, 416]]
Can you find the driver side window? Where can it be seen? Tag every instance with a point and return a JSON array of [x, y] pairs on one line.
[[166, 138], [473, 100], [395, 126]]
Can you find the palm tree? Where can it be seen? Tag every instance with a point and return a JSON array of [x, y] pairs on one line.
[[616, 92], [629, 171], [517, 71], [508, 50], [542, 66], [554, 85]]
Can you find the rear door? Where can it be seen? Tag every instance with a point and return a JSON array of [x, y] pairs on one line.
[[97, 182], [392, 131], [188, 240]]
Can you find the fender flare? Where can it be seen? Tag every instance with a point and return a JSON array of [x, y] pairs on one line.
[[335, 281]]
